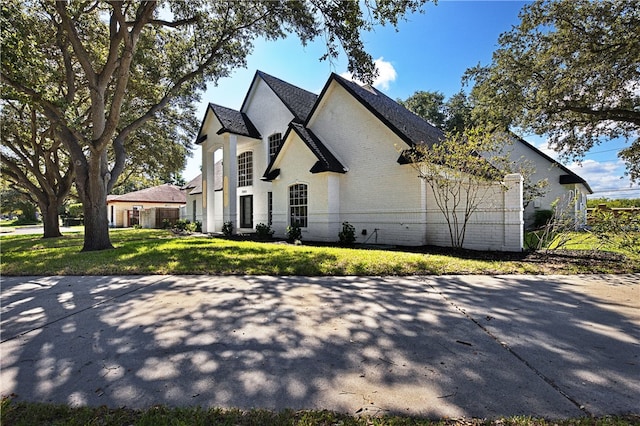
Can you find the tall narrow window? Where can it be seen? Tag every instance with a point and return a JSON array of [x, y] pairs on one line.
[[269, 208], [194, 211], [298, 205], [274, 143], [245, 169]]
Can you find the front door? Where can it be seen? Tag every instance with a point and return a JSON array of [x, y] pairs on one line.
[[246, 211]]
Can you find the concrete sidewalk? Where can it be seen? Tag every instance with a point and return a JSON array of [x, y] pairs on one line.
[[456, 346]]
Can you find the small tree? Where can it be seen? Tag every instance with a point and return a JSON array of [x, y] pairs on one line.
[[461, 174], [560, 229]]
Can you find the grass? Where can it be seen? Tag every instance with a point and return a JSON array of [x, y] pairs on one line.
[[146, 251], [27, 414]]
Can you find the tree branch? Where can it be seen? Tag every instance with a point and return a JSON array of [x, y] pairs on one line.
[[74, 39], [613, 114], [172, 24]]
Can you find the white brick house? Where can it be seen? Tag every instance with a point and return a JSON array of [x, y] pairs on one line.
[[289, 155]]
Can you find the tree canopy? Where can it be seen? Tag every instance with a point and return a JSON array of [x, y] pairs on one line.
[[569, 70], [34, 161], [78, 61], [452, 115]]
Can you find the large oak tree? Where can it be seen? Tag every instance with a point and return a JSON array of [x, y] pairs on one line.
[[569, 70], [176, 48], [34, 161]]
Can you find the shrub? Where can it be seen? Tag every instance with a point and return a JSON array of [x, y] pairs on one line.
[[348, 234], [75, 210], [541, 218], [294, 233], [184, 225], [181, 224], [264, 232], [616, 229], [227, 229]]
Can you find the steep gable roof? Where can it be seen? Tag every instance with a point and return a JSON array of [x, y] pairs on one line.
[[166, 193], [566, 179], [409, 127], [327, 162], [298, 101], [234, 122]]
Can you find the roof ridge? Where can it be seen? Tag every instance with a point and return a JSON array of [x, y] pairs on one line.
[[298, 101], [262, 73]]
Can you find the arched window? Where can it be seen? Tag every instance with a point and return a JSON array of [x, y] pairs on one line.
[[274, 143], [245, 169], [298, 205]]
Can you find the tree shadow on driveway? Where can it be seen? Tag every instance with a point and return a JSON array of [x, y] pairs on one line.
[[351, 344], [580, 333]]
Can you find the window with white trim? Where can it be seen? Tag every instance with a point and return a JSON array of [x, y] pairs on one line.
[[298, 205], [245, 169], [274, 144]]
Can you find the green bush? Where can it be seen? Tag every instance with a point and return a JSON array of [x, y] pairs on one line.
[[75, 210], [541, 218], [264, 232], [348, 234], [227, 229], [616, 229], [184, 225], [294, 233]]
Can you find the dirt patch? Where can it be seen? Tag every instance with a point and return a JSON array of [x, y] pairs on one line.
[[549, 261]]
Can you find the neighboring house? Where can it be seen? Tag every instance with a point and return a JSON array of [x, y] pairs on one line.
[[192, 210], [289, 156], [147, 207]]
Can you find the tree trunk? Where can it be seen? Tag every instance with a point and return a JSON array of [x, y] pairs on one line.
[[93, 193], [96, 223], [50, 219]]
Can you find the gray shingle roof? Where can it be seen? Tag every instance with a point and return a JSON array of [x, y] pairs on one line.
[[194, 186], [411, 128], [570, 176], [326, 160], [234, 122], [166, 193], [299, 101]]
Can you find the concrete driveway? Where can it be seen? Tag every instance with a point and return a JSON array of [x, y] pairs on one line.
[[456, 346]]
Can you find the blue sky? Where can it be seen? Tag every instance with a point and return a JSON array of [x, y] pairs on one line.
[[430, 51]]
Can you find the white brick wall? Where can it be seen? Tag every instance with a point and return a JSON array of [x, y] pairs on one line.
[[544, 169], [386, 202]]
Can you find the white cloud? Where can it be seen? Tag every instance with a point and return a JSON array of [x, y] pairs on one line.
[[386, 74], [605, 178]]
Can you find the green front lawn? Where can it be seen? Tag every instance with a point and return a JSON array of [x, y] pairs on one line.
[[28, 414], [146, 251]]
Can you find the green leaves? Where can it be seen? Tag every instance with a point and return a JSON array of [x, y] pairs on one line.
[[119, 79], [570, 71]]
